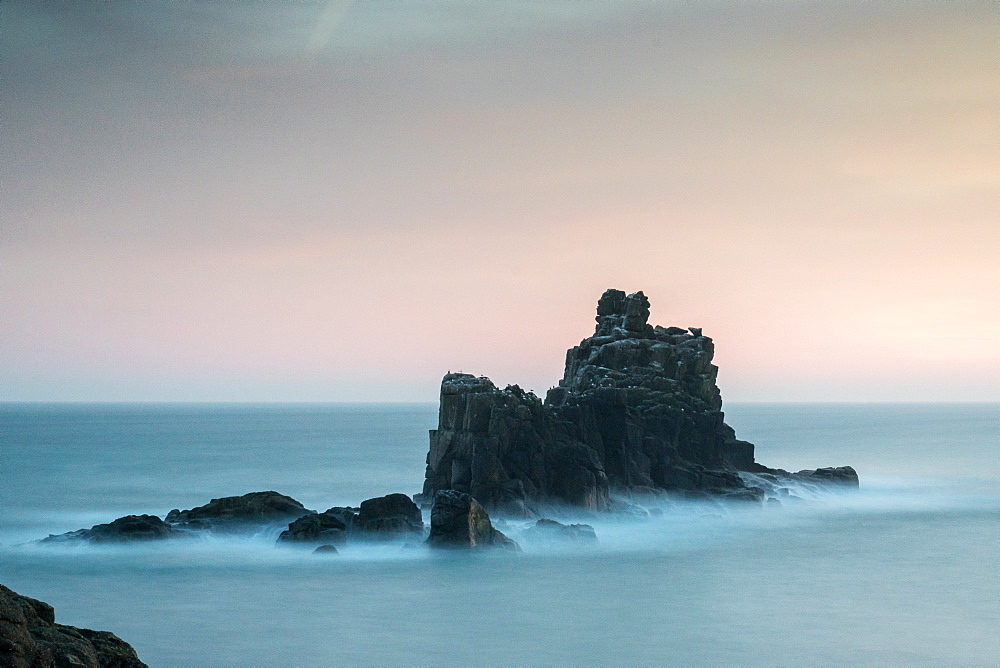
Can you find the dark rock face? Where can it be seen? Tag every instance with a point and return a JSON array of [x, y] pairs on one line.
[[30, 637], [637, 408], [550, 530], [253, 508], [327, 527], [506, 448], [392, 516], [459, 521], [122, 530]]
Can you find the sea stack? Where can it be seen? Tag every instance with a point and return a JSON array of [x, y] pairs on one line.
[[637, 409]]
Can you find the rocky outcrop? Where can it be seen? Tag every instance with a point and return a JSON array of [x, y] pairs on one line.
[[389, 517], [326, 527], [638, 407], [30, 637], [506, 448], [122, 530], [459, 521], [232, 512]]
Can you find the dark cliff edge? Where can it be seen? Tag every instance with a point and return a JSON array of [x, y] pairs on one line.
[[29, 636], [638, 410]]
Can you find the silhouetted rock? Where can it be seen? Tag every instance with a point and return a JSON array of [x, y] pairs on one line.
[[326, 551], [391, 516], [459, 521], [327, 527], [637, 408], [840, 475], [545, 530], [122, 530], [29, 637], [234, 512]]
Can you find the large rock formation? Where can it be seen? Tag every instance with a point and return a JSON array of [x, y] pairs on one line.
[[29, 636], [637, 408]]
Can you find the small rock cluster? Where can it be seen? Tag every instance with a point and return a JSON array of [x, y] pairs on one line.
[[457, 520]]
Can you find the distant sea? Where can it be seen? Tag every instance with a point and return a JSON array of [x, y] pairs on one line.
[[904, 572]]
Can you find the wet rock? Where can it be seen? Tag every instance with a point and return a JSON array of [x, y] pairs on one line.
[[459, 521], [235, 512], [123, 530], [326, 527], [30, 637], [391, 516], [347, 515], [326, 550], [551, 530]]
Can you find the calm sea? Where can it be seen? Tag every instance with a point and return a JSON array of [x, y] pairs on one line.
[[907, 571]]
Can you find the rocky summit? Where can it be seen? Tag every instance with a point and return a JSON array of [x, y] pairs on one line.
[[638, 409]]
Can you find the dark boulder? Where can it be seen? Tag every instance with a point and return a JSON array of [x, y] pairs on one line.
[[545, 530], [459, 521], [391, 516], [30, 637], [123, 530], [233, 512], [327, 527]]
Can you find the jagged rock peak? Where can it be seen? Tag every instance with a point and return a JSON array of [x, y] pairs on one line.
[[638, 408], [629, 313]]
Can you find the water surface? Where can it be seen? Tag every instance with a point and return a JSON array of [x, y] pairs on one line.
[[903, 572]]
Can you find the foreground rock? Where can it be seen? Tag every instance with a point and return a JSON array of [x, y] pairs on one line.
[[30, 637], [235, 512], [637, 408], [459, 521], [126, 529]]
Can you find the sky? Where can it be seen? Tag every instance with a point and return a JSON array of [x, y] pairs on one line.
[[336, 201]]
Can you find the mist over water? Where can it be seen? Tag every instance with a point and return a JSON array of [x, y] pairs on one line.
[[904, 571]]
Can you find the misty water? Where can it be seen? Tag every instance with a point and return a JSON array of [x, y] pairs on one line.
[[905, 571]]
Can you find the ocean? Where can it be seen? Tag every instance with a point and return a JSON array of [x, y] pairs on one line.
[[904, 571]]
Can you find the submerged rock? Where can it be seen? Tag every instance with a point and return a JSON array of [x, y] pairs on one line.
[[232, 512], [123, 530], [389, 517], [30, 637], [459, 521], [550, 530], [326, 550], [638, 407]]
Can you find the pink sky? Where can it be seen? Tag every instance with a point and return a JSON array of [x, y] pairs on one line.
[[336, 202]]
